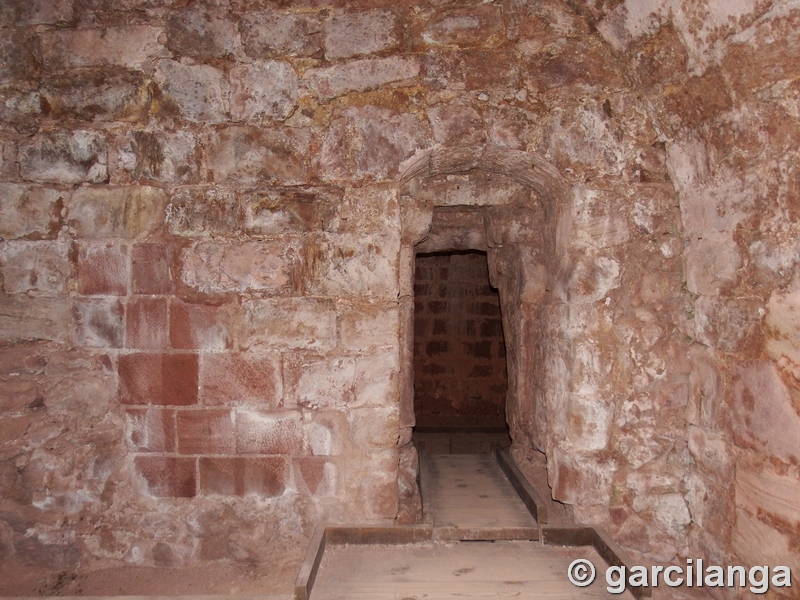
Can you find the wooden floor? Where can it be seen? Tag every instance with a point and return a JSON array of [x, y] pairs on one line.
[[470, 490], [445, 571], [463, 491]]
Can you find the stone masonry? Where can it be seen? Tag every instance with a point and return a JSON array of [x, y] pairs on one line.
[[209, 213]]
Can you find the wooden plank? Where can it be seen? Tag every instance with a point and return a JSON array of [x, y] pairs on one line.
[[310, 567], [568, 535], [447, 570], [580, 535], [396, 534], [527, 493], [470, 491], [424, 485], [615, 556], [457, 534]]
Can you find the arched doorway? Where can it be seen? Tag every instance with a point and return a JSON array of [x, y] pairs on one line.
[[506, 203]]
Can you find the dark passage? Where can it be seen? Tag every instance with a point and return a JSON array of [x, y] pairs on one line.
[[460, 377]]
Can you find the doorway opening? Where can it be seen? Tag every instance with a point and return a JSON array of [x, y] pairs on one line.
[[460, 371]]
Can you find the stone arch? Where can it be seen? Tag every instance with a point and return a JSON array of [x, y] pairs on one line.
[[522, 238]]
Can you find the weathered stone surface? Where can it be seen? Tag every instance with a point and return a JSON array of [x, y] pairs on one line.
[[193, 31], [361, 76], [168, 477], [376, 380], [325, 432], [270, 33], [358, 33], [115, 212], [355, 265], [151, 155], [763, 405], [466, 27], [697, 100], [288, 323], [102, 269], [130, 46], [161, 379], [198, 93], [276, 432], [235, 379], [213, 267], [366, 326], [580, 479], [23, 318], [250, 154], [301, 209], [65, 157], [729, 325], [96, 96], [151, 269], [200, 326], [586, 66], [262, 477], [150, 429], [374, 429], [203, 212], [98, 322], [38, 267], [370, 142], [147, 323], [456, 123], [758, 57], [783, 340], [19, 56], [323, 384], [319, 476], [263, 90], [205, 431], [45, 12]]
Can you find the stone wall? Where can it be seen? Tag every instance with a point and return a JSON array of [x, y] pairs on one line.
[[206, 265], [459, 351]]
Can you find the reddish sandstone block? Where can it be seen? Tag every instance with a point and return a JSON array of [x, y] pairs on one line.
[[129, 46], [98, 322], [199, 92], [360, 33], [198, 326], [18, 395], [150, 266], [162, 379], [64, 157], [34, 267], [168, 477], [206, 431], [241, 476], [241, 378], [29, 211], [147, 324], [271, 34], [268, 433], [150, 430], [102, 270], [98, 212], [316, 476]]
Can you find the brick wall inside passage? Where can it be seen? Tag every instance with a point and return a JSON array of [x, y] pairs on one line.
[[460, 375]]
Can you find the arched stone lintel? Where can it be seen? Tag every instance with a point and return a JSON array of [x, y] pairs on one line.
[[522, 167]]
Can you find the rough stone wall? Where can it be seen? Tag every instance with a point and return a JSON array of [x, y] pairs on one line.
[[459, 351], [203, 274], [720, 83]]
